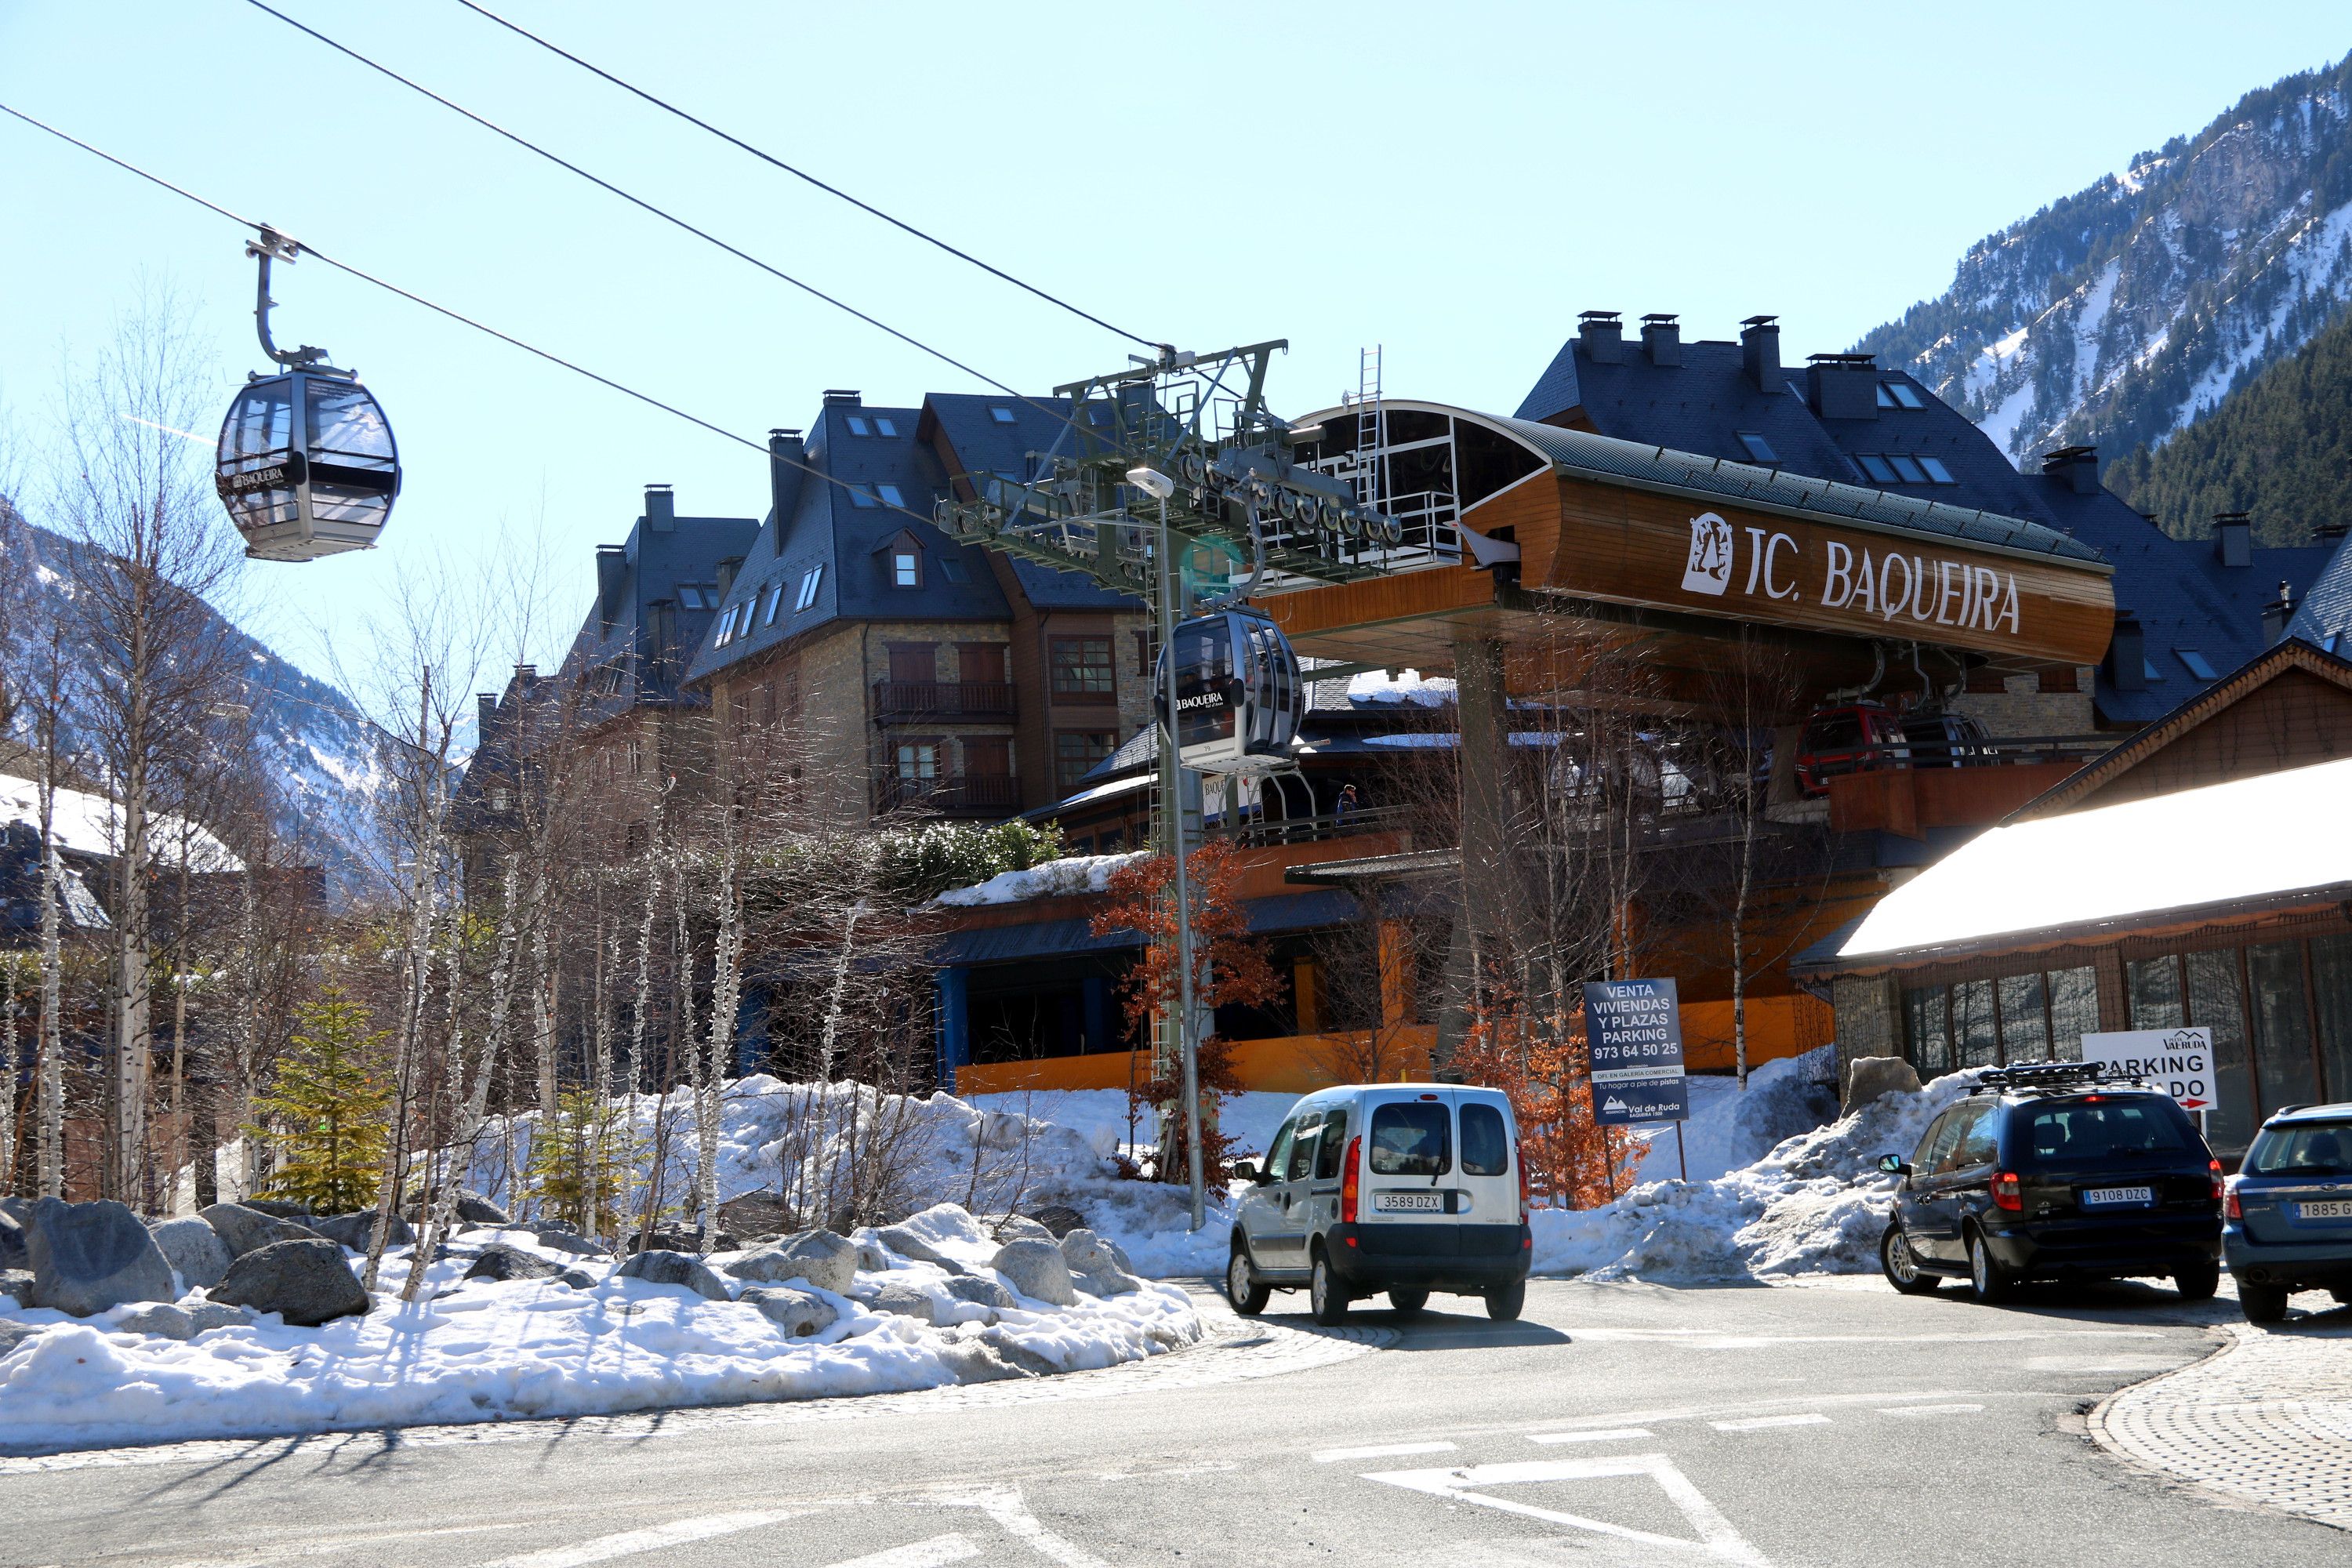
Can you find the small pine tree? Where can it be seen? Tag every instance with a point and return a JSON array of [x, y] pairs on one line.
[[587, 1160], [328, 1110]]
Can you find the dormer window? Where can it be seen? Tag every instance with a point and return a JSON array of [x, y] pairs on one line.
[[883, 426], [1899, 395], [726, 632], [1002, 415], [858, 426], [810, 582], [906, 568], [775, 597], [1759, 450]]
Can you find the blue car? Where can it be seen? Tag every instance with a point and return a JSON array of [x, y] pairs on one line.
[[2287, 1222]]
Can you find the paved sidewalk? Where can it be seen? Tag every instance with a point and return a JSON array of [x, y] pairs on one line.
[[2268, 1420]]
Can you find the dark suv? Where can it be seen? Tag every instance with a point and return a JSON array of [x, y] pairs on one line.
[[2051, 1173], [2287, 1226]]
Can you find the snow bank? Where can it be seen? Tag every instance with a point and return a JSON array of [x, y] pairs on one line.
[[1729, 1128], [485, 1351], [1815, 1203], [1071, 874]]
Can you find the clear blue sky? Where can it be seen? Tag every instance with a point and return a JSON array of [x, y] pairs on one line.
[[1452, 181]]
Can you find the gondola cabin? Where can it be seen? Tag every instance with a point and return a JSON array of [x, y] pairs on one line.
[[307, 466], [1238, 694]]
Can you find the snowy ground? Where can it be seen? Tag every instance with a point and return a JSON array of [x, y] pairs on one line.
[[478, 1349]]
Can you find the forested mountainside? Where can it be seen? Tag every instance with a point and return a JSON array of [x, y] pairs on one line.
[[2280, 447], [2119, 315]]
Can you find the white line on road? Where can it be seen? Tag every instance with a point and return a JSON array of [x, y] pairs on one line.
[[629, 1543], [1933, 1410], [933, 1553], [1716, 1538], [1607, 1435], [1757, 1422], [1385, 1451]]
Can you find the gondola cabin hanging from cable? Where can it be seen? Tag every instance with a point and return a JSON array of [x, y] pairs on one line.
[[307, 465], [1238, 694]]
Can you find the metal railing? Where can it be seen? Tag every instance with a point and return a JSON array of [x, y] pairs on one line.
[[894, 699], [1255, 829], [949, 793]]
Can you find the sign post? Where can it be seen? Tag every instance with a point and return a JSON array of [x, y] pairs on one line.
[[1634, 1032], [2179, 1061]]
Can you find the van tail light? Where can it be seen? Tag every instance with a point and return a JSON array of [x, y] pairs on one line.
[[2230, 1209], [2220, 1186], [1350, 1184], [1519, 1158], [2008, 1192]]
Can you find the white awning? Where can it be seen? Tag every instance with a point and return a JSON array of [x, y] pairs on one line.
[[2273, 834]]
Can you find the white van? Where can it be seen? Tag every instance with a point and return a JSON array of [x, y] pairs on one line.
[[1401, 1187]]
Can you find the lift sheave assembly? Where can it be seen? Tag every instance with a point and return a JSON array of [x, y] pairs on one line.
[[307, 465]]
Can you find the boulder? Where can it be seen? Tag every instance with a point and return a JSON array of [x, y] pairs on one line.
[[355, 1229], [1002, 1341], [907, 1301], [578, 1278], [1017, 1227], [163, 1320], [1036, 1270], [1096, 1265], [1059, 1219], [563, 1240], [1867, 1077], [981, 1292], [477, 1210], [796, 1312], [12, 1244], [280, 1208], [305, 1281], [687, 1240], [195, 1249], [12, 1334], [974, 1361], [87, 1258], [825, 1260], [246, 1229], [870, 1256], [16, 1284], [908, 1243], [665, 1268], [203, 1315], [501, 1261], [757, 1214]]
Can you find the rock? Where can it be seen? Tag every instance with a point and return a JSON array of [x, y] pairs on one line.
[[87, 1258], [796, 1312], [757, 1214], [1003, 1342], [1017, 1227], [12, 1244], [355, 1230], [906, 1243], [907, 1301], [1059, 1219], [825, 1260], [563, 1240], [1118, 1255], [305, 1281], [17, 1284], [163, 1320], [474, 1209], [17, 1208], [1096, 1265], [501, 1261], [981, 1292], [870, 1256], [195, 1249], [1867, 1077], [680, 1241], [973, 1362], [666, 1267], [1036, 1270], [12, 1334], [578, 1278], [205, 1315], [280, 1208], [246, 1229]]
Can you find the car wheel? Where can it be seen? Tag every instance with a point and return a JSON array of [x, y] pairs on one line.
[[1329, 1299], [1408, 1303], [2262, 1303], [1504, 1303], [1988, 1281], [1241, 1286], [2198, 1283], [1901, 1265]]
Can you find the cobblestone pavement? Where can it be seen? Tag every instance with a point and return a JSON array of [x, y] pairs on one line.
[[2268, 1420]]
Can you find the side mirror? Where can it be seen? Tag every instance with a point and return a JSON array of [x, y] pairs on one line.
[[1245, 1169], [1895, 1164]]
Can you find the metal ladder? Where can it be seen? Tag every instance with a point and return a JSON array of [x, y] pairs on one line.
[[1367, 475]]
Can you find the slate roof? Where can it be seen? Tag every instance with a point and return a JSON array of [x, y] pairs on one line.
[[985, 442], [2177, 589], [661, 555], [2324, 619]]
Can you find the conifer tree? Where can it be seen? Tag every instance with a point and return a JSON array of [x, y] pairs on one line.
[[584, 1162], [328, 1110]]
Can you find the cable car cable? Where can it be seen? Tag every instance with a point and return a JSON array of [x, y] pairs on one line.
[[640, 202], [663, 104], [461, 319]]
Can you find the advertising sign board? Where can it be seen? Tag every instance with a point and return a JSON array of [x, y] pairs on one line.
[[1635, 1030], [2179, 1061]]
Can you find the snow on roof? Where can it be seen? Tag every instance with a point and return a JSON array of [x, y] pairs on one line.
[[1408, 686], [1071, 874], [2275, 833], [88, 824]]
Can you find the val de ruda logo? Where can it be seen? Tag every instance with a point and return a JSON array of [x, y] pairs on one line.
[[1709, 571]]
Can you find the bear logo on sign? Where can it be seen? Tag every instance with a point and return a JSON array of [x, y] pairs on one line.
[[1709, 571]]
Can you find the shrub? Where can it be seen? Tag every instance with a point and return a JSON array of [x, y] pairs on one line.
[[920, 863]]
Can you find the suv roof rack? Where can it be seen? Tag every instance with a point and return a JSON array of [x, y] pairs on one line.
[[2050, 1075]]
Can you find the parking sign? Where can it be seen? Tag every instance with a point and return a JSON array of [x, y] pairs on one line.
[[2179, 1061], [1635, 1028]]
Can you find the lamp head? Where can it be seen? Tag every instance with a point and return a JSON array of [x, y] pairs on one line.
[[1152, 482]]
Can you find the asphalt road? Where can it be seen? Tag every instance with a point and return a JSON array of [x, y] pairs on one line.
[[1618, 1423]]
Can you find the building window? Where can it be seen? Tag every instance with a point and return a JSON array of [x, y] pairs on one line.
[[775, 597], [1877, 468], [1142, 656], [2060, 678], [726, 632], [918, 761], [1075, 752], [2195, 662], [1936, 473], [988, 757], [858, 426], [1898, 395], [1759, 449], [1907, 468], [913, 663], [636, 756], [884, 427], [698, 595], [906, 569], [501, 800], [891, 495], [1082, 668], [1001, 414], [861, 495], [810, 582], [952, 570], [981, 663]]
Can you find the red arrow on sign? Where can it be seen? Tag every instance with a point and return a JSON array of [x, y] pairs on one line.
[[2195, 1104]]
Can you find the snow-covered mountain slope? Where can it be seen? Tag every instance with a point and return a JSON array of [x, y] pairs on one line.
[[323, 759], [2123, 312]]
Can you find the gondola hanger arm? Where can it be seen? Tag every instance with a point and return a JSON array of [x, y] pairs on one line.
[[272, 245]]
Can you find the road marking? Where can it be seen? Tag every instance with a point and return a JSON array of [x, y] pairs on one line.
[[1933, 1410], [1608, 1435], [630, 1542], [932, 1554], [1004, 1506], [1386, 1451], [1759, 1423], [1716, 1538], [342, 1544]]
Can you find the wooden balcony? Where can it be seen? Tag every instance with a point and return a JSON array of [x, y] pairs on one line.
[[931, 701], [950, 795]]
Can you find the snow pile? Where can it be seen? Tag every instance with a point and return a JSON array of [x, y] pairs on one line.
[[1729, 1127], [1055, 879], [1403, 686], [478, 1349], [1816, 1204]]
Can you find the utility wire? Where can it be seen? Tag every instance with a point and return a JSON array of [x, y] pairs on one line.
[[462, 320], [770, 159], [668, 218]]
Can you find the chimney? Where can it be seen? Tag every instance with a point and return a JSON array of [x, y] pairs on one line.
[[2233, 539], [844, 397], [526, 676], [785, 455], [2076, 468], [1759, 351], [2277, 613], [486, 716], [1843, 386], [2128, 656], [727, 570], [661, 508], [1661, 338], [612, 571], [1601, 338]]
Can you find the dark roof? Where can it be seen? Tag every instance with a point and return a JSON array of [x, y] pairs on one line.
[[2325, 618], [986, 443], [623, 631]]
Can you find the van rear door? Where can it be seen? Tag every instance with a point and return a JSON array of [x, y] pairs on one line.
[[1408, 1159], [1486, 1176]]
